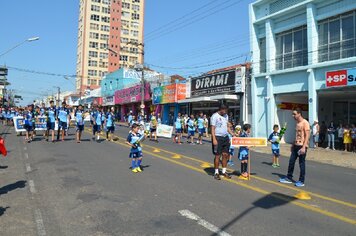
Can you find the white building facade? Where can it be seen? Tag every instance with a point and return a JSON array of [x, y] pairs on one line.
[[304, 55]]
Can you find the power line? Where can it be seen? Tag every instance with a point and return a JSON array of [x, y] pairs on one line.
[[165, 32]]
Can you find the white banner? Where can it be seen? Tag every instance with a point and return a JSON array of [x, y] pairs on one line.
[[164, 131], [40, 124]]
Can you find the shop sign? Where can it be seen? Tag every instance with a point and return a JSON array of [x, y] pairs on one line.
[[292, 106], [98, 101], [240, 80], [341, 78], [222, 82], [133, 94], [247, 141], [108, 101], [168, 94]]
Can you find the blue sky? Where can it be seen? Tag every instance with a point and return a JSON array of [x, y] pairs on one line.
[[220, 39]]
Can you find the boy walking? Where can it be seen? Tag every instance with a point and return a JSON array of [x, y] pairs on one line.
[[133, 140], [244, 151], [274, 139]]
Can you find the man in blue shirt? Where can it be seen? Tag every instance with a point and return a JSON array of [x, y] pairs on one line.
[[51, 114], [97, 121], [179, 129], [63, 114], [110, 124], [201, 128], [28, 115], [79, 118]]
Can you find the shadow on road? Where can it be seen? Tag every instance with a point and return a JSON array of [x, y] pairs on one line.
[[11, 187], [279, 175], [3, 167], [211, 171], [267, 163], [267, 202], [2, 210]]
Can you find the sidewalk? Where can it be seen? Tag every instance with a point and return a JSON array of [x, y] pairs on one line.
[[337, 158]]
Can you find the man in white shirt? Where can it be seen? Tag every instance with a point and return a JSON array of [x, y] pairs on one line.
[[220, 128]]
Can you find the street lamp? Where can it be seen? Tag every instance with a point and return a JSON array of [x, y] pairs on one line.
[[25, 41]]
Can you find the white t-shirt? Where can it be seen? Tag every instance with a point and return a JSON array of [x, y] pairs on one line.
[[220, 123]]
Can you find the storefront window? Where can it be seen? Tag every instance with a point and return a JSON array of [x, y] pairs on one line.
[[262, 45]]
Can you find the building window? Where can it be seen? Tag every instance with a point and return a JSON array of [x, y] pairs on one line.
[[94, 26], [105, 19], [262, 45], [292, 48], [93, 35], [93, 54], [103, 55], [92, 72], [123, 58], [125, 14], [125, 31], [106, 2], [95, 8], [126, 5], [135, 25], [134, 50], [125, 23], [92, 63], [104, 36], [105, 28], [337, 37], [105, 10], [133, 60], [134, 33], [94, 17], [136, 1], [98, 1], [103, 46], [124, 40], [93, 44], [135, 16], [135, 7]]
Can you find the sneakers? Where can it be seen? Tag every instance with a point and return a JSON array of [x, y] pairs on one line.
[[299, 184], [285, 181], [217, 177], [135, 170], [226, 175], [278, 165], [275, 165], [230, 163], [138, 169]]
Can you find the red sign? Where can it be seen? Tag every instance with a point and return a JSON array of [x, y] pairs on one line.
[[292, 106], [336, 78]]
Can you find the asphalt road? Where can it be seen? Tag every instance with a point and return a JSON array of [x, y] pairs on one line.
[[67, 188]]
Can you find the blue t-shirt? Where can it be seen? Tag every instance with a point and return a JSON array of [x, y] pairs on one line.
[[129, 118], [200, 123], [28, 118], [63, 114], [191, 125], [243, 149], [79, 117], [51, 111], [274, 139], [178, 123], [110, 119], [135, 139], [97, 116]]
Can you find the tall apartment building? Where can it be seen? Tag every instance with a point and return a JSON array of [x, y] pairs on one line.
[[110, 36]]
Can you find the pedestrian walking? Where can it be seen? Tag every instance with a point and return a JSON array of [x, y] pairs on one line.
[[79, 117], [191, 129], [220, 140], [153, 127], [340, 136], [63, 114], [201, 129], [134, 141], [206, 126], [331, 136], [347, 138], [179, 129], [274, 139], [298, 149], [110, 124], [244, 151], [316, 131], [51, 114]]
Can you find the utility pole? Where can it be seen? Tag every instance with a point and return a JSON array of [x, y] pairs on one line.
[[58, 94], [142, 69]]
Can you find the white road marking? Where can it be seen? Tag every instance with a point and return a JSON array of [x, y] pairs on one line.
[[26, 155], [25, 148], [39, 223], [32, 186], [190, 215], [28, 167]]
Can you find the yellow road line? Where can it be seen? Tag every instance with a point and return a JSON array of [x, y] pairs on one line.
[[259, 190], [270, 181], [256, 189]]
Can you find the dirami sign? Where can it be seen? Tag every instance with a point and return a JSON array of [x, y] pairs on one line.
[[341, 78]]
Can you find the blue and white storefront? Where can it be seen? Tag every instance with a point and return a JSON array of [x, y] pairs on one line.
[[304, 55]]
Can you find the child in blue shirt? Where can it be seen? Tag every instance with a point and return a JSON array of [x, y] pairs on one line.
[[244, 151], [179, 129], [274, 139], [191, 129], [231, 152], [79, 118], [29, 125], [110, 124], [201, 128], [133, 140]]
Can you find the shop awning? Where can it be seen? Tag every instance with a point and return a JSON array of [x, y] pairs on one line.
[[211, 99]]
